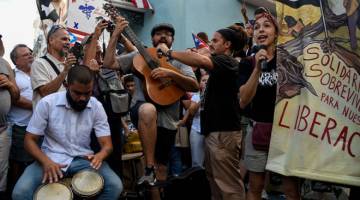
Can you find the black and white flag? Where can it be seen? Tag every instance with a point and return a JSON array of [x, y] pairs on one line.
[[47, 10]]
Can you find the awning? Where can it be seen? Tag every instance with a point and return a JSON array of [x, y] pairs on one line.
[[141, 6]]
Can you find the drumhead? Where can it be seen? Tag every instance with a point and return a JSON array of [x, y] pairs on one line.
[[87, 183], [53, 191]]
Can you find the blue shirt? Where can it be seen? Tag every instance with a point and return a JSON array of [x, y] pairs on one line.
[[67, 132]]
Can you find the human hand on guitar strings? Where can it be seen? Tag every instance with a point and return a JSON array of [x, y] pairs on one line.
[[161, 72]]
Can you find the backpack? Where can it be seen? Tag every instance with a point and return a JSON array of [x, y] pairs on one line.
[[111, 86]]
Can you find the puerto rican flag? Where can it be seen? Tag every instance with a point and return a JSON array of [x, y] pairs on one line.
[[142, 4], [199, 44], [76, 35], [83, 16]]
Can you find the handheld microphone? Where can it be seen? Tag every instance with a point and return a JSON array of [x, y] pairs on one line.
[[263, 62]]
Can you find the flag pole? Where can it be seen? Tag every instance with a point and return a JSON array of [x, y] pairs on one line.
[[324, 21]]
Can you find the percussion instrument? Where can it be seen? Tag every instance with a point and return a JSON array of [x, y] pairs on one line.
[[87, 183], [53, 191], [133, 143], [133, 169]]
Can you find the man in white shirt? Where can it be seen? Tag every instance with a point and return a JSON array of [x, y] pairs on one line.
[[20, 112], [66, 119], [48, 73]]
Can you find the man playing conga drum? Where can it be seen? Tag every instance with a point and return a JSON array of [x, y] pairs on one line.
[[66, 119]]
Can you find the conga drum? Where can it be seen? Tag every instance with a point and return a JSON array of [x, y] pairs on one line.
[[53, 191], [87, 184], [133, 169]]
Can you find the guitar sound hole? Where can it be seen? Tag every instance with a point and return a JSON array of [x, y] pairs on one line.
[[165, 83]]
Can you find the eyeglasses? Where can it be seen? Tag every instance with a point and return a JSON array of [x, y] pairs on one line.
[[53, 29]]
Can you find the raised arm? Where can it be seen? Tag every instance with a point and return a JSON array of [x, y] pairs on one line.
[[189, 57], [110, 56], [90, 50]]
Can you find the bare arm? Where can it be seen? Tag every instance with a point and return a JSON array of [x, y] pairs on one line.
[[185, 82], [31, 146], [106, 146], [248, 90], [189, 57], [127, 44], [106, 149], [90, 51], [53, 86], [109, 60], [8, 82], [244, 14], [190, 113], [52, 171], [24, 103]]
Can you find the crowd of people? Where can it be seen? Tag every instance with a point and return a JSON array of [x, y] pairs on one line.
[[63, 113]]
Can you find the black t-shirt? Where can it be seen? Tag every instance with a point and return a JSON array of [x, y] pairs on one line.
[[220, 110], [262, 106]]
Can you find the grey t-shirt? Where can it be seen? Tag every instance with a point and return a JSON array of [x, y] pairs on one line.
[[168, 116], [5, 97]]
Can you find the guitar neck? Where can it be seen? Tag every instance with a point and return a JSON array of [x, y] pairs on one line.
[[129, 33]]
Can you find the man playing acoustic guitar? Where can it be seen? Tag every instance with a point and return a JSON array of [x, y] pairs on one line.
[[157, 125]]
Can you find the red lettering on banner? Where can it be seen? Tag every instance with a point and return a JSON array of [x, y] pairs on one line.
[[352, 116], [282, 116], [353, 84], [342, 136], [350, 142], [303, 117], [329, 100], [313, 124], [297, 117], [327, 129]]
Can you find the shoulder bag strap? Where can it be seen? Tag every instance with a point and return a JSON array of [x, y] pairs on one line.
[[57, 71]]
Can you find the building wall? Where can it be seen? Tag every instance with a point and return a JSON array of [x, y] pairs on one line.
[[189, 16]]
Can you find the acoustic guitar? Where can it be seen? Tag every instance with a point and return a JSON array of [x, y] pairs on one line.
[[163, 91]]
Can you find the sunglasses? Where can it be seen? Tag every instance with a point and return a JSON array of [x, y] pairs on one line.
[[53, 29]]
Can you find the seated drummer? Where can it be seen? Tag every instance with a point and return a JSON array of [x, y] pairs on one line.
[[66, 119]]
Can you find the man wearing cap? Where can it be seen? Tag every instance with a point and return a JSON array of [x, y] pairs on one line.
[[48, 73], [220, 113], [156, 125]]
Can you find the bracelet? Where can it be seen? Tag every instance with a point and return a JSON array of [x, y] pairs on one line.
[[168, 54]]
